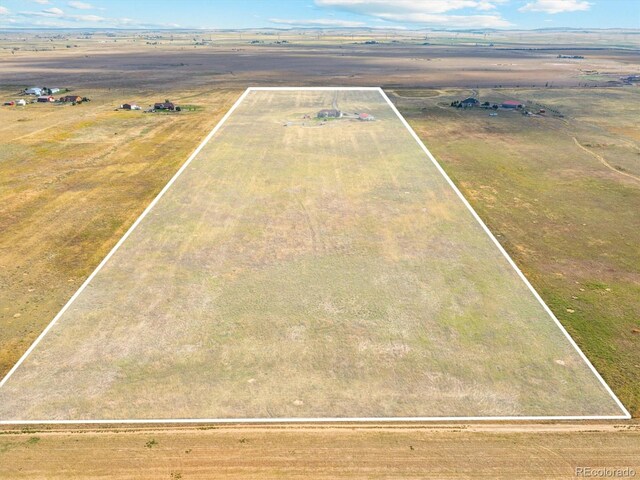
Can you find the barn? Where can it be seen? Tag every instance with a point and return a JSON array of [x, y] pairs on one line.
[[33, 91], [46, 99], [366, 117]]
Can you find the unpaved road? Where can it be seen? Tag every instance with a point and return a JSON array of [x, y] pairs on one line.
[[319, 451]]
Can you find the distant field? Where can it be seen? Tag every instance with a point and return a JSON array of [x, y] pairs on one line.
[[302, 271], [568, 220]]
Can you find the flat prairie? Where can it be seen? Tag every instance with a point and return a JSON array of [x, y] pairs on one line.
[[306, 268]]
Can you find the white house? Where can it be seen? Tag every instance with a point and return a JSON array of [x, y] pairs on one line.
[[33, 91], [21, 102]]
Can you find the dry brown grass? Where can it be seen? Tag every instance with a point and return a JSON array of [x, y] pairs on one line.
[[325, 452], [72, 180]]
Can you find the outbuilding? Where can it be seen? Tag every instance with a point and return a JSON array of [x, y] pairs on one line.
[[46, 98], [511, 104], [71, 99], [33, 91], [366, 117]]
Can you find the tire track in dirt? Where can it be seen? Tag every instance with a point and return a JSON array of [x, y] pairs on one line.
[[603, 161]]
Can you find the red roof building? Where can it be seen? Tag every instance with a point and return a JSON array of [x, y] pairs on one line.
[[366, 117]]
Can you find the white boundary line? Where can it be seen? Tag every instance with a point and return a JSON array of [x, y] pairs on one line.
[[626, 415]]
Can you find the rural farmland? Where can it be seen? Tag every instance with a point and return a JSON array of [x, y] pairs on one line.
[[314, 269]]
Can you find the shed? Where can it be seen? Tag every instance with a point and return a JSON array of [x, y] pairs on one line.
[[22, 102], [366, 117], [511, 104], [45, 99]]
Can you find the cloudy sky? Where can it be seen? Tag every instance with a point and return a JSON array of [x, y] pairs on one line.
[[321, 13]]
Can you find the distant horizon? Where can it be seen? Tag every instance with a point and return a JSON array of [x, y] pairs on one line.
[[343, 29], [464, 15]]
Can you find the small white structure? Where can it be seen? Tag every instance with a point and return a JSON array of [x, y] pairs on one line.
[[21, 102], [37, 91], [53, 90]]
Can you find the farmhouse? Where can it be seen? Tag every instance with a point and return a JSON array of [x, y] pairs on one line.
[[329, 113], [511, 104], [129, 106], [366, 117], [45, 98], [33, 91], [470, 102], [164, 106], [71, 99]]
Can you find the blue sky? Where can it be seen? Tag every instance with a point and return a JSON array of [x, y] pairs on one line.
[[406, 14]]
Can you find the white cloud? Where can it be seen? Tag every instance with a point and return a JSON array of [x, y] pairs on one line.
[[58, 13], [466, 21], [41, 2], [80, 5], [318, 22], [86, 18], [433, 12], [375, 7], [555, 6], [54, 12], [4, 10]]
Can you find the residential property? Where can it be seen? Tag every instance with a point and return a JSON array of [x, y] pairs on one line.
[[470, 102], [164, 106], [366, 117], [46, 99], [511, 104], [33, 91], [329, 113], [71, 99]]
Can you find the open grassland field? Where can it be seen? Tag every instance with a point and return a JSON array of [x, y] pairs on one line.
[[72, 180], [350, 452], [563, 195], [299, 269]]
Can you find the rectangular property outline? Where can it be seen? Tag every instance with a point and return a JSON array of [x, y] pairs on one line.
[[625, 415]]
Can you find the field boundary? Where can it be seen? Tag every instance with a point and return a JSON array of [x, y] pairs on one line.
[[625, 413]]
